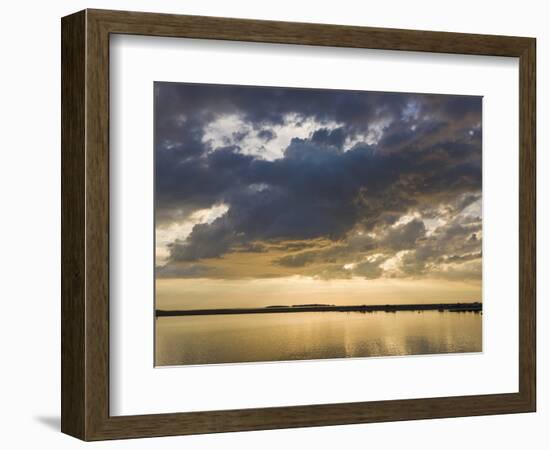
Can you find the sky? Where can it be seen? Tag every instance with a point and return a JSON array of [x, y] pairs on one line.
[[268, 195]]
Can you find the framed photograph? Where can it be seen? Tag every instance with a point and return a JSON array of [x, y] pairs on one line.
[[273, 225]]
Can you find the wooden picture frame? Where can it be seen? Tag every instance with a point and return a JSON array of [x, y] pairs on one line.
[[85, 224]]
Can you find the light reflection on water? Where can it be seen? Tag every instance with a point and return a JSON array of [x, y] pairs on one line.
[[313, 335]]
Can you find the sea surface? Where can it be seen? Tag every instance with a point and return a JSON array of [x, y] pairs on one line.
[[214, 339]]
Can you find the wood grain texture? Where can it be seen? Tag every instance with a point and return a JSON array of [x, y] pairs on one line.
[[527, 224], [151, 24], [73, 226], [85, 224]]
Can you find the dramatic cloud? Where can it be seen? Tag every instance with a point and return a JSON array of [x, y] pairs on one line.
[[272, 182]]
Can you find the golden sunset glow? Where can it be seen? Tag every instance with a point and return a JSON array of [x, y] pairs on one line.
[[216, 293]]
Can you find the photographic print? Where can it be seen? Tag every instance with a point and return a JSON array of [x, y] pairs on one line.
[[300, 224]]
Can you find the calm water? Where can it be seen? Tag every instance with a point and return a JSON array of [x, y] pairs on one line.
[[315, 335]]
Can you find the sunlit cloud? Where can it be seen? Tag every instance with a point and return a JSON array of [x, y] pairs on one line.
[[252, 139]]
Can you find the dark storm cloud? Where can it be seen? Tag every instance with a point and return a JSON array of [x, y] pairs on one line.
[[391, 240], [325, 136], [312, 192], [405, 236], [450, 243], [267, 135], [266, 105], [428, 153]]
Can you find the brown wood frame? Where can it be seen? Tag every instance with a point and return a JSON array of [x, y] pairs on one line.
[[85, 224]]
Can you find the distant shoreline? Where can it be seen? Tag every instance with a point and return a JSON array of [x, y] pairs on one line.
[[449, 307]]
